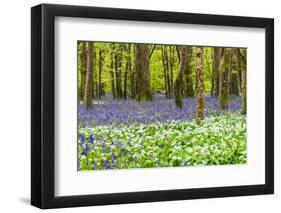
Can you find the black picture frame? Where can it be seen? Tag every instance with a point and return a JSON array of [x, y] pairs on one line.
[[43, 102]]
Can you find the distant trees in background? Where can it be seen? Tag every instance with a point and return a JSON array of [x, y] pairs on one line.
[[138, 71]]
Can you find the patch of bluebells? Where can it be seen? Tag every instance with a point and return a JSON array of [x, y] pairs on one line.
[[108, 111], [114, 133]]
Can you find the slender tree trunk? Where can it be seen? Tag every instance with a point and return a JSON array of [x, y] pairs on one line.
[[244, 84], [132, 76], [112, 70], [83, 68], [216, 67], [95, 75], [172, 56], [223, 70], [89, 75], [229, 71], [165, 72], [166, 64], [179, 80], [213, 75], [128, 69], [238, 65], [100, 70], [189, 91], [201, 87], [143, 73], [118, 71]]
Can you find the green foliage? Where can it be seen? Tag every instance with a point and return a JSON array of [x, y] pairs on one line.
[[156, 66], [218, 140]]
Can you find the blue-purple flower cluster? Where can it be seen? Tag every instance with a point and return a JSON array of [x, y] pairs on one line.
[[108, 111]]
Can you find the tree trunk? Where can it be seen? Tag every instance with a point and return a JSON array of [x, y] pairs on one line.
[[166, 62], [229, 71], [172, 56], [83, 68], [165, 71], [216, 73], [179, 80], [143, 73], [189, 91], [132, 76], [244, 83], [128, 69], [118, 71], [213, 74], [112, 70], [89, 75], [201, 87], [238, 65], [223, 70], [100, 70]]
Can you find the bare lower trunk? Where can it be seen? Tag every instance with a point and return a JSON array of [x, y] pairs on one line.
[[239, 77], [83, 68], [189, 91], [172, 56], [112, 71], [100, 70], [128, 69], [216, 72], [244, 84], [118, 71], [201, 88], [89, 75], [165, 72], [179, 80], [143, 73], [223, 89]]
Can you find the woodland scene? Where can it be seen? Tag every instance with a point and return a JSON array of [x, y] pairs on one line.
[[159, 105]]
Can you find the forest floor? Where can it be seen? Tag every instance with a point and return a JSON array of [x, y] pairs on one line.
[[116, 134]]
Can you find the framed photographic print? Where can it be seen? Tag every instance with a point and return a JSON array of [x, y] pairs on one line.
[[138, 106]]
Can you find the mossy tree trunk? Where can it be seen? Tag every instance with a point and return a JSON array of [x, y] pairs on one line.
[[89, 75], [143, 73], [213, 73], [244, 81], [216, 67], [112, 71], [189, 91], [229, 71], [118, 70], [171, 62], [165, 72], [83, 68], [165, 62], [128, 69], [223, 70], [132, 75], [99, 90], [179, 80], [238, 68], [201, 88]]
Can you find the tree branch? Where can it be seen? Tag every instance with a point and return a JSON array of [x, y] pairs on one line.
[[152, 50]]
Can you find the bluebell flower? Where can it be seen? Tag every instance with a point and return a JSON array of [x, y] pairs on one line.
[[81, 138], [91, 138], [84, 153], [95, 166]]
